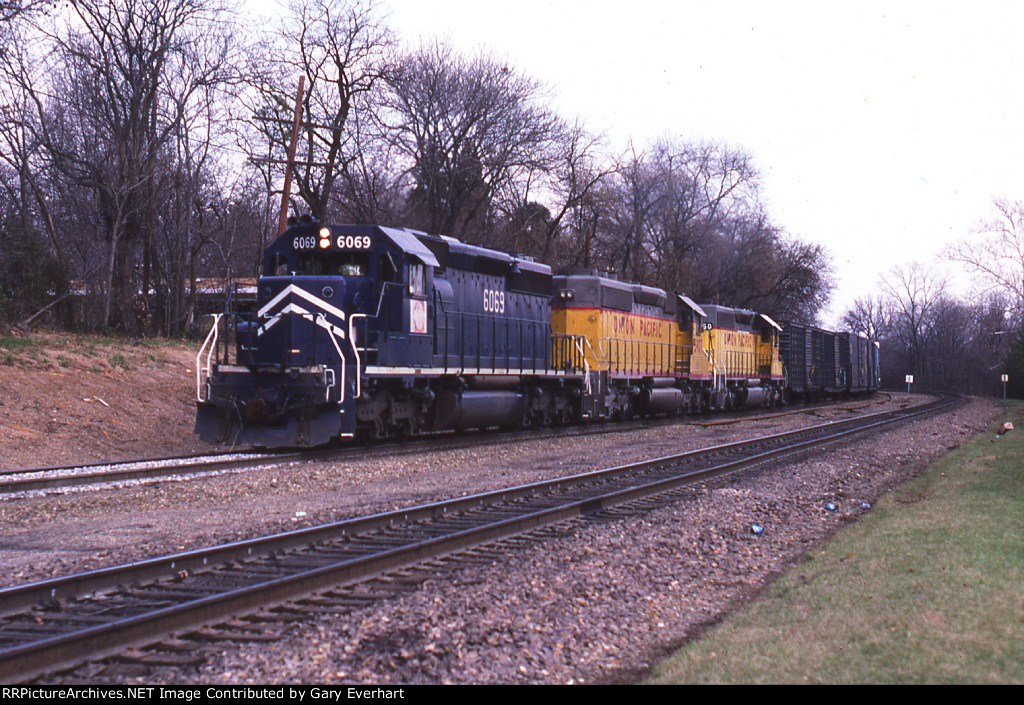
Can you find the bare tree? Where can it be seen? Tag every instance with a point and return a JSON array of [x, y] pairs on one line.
[[342, 48], [541, 213], [465, 129], [108, 94], [20, 148], [627, 226], [14, 11], [871, 316], [369, 187], [193, 191], [688, 217], [996, 255], [11, 9], [789, 279], [916, 294]]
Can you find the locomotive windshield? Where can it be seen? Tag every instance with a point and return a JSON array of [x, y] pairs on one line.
[[345, 264]]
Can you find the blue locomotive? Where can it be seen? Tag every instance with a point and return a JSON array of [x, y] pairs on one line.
[[375, 331]]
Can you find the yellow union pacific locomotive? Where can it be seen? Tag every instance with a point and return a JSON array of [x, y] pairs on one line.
[[658, 352]]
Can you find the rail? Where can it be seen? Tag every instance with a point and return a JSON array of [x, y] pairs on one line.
[[67, 629]]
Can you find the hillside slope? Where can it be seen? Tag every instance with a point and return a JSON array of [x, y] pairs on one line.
[[71, 398]]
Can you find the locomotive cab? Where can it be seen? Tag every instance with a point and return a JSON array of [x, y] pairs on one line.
[[743, 350], [329, 299]]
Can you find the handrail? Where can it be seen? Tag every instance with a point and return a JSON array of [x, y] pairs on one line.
[[658, 357], [469, 327], [716, 375], [321, 320], [200, 368], [580, 339], [355, 351]]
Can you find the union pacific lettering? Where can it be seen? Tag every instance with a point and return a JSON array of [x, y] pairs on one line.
[[624, 325], [735, 339]]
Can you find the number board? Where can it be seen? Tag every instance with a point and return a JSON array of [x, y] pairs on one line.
[[323, 242], [354, 242]]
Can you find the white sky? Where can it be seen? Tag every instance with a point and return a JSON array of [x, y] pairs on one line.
[[883, 129]]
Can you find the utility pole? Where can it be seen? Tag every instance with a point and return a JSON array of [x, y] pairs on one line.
[[286, 192]]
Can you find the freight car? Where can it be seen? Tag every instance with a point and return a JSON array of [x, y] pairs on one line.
[[379, 332], [822, 364]]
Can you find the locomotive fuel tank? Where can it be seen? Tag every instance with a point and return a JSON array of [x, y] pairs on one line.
[[479, 409]]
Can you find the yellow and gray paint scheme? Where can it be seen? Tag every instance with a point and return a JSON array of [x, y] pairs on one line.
[[654, 348]]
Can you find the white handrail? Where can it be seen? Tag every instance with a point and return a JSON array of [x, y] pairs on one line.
[[719, 373], [580, 339], [321, 321], [200, 368], [355, 351]]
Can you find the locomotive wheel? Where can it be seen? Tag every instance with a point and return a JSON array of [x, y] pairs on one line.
[[382, 428], [415, 425], [527, 419], [547, 415], [564, 415]]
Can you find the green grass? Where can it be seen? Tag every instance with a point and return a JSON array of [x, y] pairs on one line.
[[23, 351], [9, 342], [119, 360], [36, 349], [926, 588]]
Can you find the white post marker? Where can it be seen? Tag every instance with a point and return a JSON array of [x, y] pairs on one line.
[[1005, 379], [910, 381]]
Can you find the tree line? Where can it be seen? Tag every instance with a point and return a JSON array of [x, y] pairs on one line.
[[144, 147], [144, 144], [950, 341]]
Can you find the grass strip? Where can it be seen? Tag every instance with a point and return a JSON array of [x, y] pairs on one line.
[[926, 588]]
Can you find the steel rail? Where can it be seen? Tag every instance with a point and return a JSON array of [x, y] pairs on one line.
[[14, 481], [65, 650], [21, 597]]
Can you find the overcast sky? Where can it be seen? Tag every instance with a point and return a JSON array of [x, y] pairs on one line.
[[883, 129]]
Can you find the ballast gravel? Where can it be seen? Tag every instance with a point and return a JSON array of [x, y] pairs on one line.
[[600, 601]]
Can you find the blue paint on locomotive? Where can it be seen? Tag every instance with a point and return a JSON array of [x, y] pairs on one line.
[[324, 292], [489, 310], [341, 307]]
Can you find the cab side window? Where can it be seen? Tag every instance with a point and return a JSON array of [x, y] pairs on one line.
[[388, 268], [278, 266], [417, 280]]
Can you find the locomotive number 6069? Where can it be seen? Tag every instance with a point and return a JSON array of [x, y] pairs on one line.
[[354, 242], [304, 242], [494, 301]]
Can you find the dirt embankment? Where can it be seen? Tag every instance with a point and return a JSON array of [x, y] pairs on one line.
[[67, 398]]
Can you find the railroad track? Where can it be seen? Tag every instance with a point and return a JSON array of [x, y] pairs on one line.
[[48, 479], [58, 624], [55, 478]]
